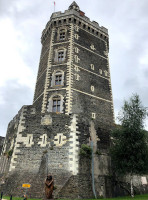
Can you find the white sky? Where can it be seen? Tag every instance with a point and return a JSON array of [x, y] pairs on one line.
[[21, 25]]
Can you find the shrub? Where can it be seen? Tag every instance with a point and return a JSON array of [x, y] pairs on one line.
[[85, 150]]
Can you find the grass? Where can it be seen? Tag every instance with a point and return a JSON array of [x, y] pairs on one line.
[[137, 197], [17, 198]]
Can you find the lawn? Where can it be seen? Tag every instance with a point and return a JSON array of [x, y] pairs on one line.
[[137, 197], [18, 198], [140, 197]]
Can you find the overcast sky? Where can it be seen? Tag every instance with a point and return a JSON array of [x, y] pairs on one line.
[[21, 25]]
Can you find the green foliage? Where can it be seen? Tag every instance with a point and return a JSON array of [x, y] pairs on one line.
[[85, 150], [9, 153], [98, 152], [129, 149], [138, 197], [17, 198]]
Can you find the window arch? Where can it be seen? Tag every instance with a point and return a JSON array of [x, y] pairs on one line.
[[55, 104], [60, 55], [57, 78]]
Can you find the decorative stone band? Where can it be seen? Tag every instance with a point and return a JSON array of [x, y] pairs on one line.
[[60, 139], [43, 140], [47, 82], [77, 68], [110, 87], [69, 76], [26, 140], [76, 44], [92, 95], [74, 146]]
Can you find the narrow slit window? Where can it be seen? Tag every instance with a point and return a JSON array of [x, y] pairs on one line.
[[44, 140], [59, 139], [93, 115], [29, 139]]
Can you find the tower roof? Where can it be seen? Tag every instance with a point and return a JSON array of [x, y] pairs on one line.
[[74, 6]]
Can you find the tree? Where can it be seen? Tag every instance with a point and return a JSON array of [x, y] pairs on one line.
[[129, 151]]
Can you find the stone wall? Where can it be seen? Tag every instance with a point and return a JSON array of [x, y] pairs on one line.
[[1, 143]]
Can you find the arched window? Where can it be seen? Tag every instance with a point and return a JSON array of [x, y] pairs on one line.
[[62, 33], [55, 104], [57, 78], [60, 55]]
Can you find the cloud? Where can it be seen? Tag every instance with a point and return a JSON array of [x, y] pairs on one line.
[[13, 97]]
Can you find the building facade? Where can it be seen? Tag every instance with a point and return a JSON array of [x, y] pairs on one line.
[[72, 108]]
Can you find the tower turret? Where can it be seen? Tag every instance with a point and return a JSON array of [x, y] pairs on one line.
[[72, 108]]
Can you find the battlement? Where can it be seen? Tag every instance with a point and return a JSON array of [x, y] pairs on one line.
[[74, 14], [81, 15]]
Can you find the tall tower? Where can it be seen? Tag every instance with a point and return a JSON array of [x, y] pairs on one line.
[[72, 108]]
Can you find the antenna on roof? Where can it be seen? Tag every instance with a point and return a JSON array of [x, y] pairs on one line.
[[54, 6]]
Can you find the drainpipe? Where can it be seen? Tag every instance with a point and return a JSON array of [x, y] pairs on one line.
[[92, 171]]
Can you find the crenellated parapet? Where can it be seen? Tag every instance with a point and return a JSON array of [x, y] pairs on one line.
[[77, 17]]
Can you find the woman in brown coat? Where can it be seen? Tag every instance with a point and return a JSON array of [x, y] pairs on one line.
[[49, 185]]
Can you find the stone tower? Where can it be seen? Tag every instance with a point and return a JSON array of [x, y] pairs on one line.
[[72, 108]]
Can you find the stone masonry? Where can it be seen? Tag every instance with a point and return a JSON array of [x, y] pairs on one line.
[[72, 106], [1, 143]]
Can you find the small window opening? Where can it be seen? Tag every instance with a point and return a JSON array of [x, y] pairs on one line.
[[69, 19], [92, 88], [84, 26], [62, 35], [60, 139], [44, 140], [64, 20], [92, 66], [60, 56], [56, 104], [79, 23], [88, 28], [97, 33], [59, 21], [92, 30], [58, 79], [29, 139], [93, 115], [75, 21]]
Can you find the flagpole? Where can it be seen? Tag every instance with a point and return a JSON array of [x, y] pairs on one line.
[[54, 6]]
